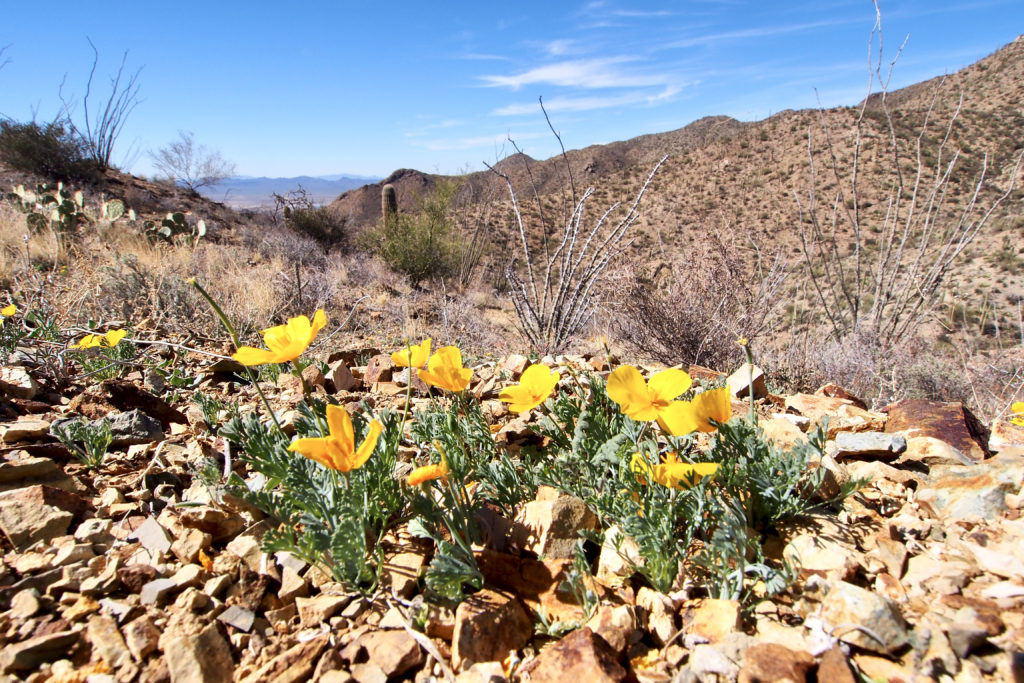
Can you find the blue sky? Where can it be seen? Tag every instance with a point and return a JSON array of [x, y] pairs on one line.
[[316, 88]]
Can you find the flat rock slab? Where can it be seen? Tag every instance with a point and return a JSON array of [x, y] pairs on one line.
[[949, 422], [956, 492], [37, 513], [24, 429], [30, 654], [869, 445], [23, 469]]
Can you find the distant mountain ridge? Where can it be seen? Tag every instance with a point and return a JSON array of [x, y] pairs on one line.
[[256, 192]]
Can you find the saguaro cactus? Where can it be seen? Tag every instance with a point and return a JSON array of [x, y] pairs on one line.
[[388, 204]]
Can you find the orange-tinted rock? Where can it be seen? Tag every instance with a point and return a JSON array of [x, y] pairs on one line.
[[379, 369], [772, 663], [834, 667], [536, 582], [580, 656], [949, 422], [833, 390], [488, 625]]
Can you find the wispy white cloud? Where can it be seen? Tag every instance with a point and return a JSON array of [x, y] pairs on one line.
[[560, 47], [642, 14], [591, 103], [581, 73], [429, 128], [760, 32], [479, 56]]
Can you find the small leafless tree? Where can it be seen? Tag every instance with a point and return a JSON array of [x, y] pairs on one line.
[[556, 299], [190, 165], [889, 282], [103, 123]]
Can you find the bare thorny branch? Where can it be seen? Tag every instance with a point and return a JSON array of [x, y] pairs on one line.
[[103, 127], [555, 306], [890, 292]]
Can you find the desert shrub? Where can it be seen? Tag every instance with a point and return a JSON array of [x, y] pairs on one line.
[[422, 245], [319, 223], [694, 312], [51, 151], [301, 214]]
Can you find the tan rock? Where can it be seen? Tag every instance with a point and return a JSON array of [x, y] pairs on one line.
[[37, 513], [201, 658], [24, 429], [316, 610], [712, 619], [550, 526], [402, 572], [1005, 434], [340, 377], [107, 640], [657, 615], [619, 557], [16, 382], [141, 637], [295, 665], [395, 652], [877, 668], [782, 432], [29, 654], [932, 451], [378, 369], [740, 381], [851, 609]]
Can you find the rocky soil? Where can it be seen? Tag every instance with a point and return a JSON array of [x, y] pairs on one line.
[[140, 571]]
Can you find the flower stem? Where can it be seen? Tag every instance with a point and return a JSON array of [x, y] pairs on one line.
[[234, 340]]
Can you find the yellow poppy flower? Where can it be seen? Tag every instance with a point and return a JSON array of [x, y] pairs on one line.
[[1018, 413], [8, 311], [284, 342], [535, 385], [109, 340], [645, 401], [414, 356], [428, 473], [445, 370], [338, 450], [674, 474], [683, 417]]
